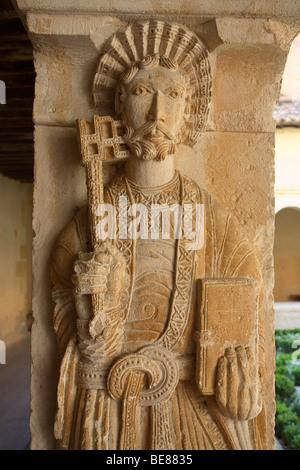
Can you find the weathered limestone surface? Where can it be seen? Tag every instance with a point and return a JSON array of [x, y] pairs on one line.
[[287, 255], [239, 8], [233, 159], [16, 241]]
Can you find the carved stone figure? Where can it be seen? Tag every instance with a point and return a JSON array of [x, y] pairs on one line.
[[159, 341]]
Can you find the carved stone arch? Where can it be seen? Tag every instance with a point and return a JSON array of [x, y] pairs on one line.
[[287, 202], [287, 255]]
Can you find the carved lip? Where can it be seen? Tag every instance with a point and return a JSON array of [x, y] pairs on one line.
[[157, 138], [156, 133]]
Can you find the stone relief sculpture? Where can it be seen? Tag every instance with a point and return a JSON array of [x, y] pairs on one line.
[[159, 338]]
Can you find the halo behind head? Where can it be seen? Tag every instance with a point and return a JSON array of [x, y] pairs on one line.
[[173, 43]]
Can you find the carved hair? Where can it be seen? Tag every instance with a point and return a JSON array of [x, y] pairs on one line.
[[147, 44]]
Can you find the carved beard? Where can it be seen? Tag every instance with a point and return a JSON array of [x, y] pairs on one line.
[[152, 141]]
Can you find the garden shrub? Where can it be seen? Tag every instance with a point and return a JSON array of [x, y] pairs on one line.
[[295, 371], [287, 420], [285, 338], [296, 407], [284, 417], [285, 388], [295, 441]]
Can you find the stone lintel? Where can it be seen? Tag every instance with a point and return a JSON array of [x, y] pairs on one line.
[[237, 8]]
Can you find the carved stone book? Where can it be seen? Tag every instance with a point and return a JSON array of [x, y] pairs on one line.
[[228, 317]]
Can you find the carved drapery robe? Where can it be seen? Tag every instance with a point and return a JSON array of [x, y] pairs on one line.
[[158, 310]]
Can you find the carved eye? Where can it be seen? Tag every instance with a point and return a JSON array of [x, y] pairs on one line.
[[140, 91], [175, 93]]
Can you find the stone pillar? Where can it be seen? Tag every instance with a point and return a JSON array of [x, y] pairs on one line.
[[248, 44]]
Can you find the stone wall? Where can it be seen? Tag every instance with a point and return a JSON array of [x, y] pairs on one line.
[[15, 248], [287, 168], [287, 255]]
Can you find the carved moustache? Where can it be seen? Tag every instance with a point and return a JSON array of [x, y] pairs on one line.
[[148, 150], [151, 126], [151, 141]]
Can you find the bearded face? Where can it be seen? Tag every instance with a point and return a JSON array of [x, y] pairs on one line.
[[151, 141], [152, 111]]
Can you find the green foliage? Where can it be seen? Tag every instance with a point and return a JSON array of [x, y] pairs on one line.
[[287, 420], [285, 388], [285, 354], [285, 417], [295, 371], [296, 407], [285, 338], [292, 435]]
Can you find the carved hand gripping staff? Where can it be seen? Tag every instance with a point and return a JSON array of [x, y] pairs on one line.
[[100, 142]]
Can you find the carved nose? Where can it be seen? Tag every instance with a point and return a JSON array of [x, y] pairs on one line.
[[157, 110]]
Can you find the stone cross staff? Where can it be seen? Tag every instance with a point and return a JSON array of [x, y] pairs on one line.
[[100, 142]]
